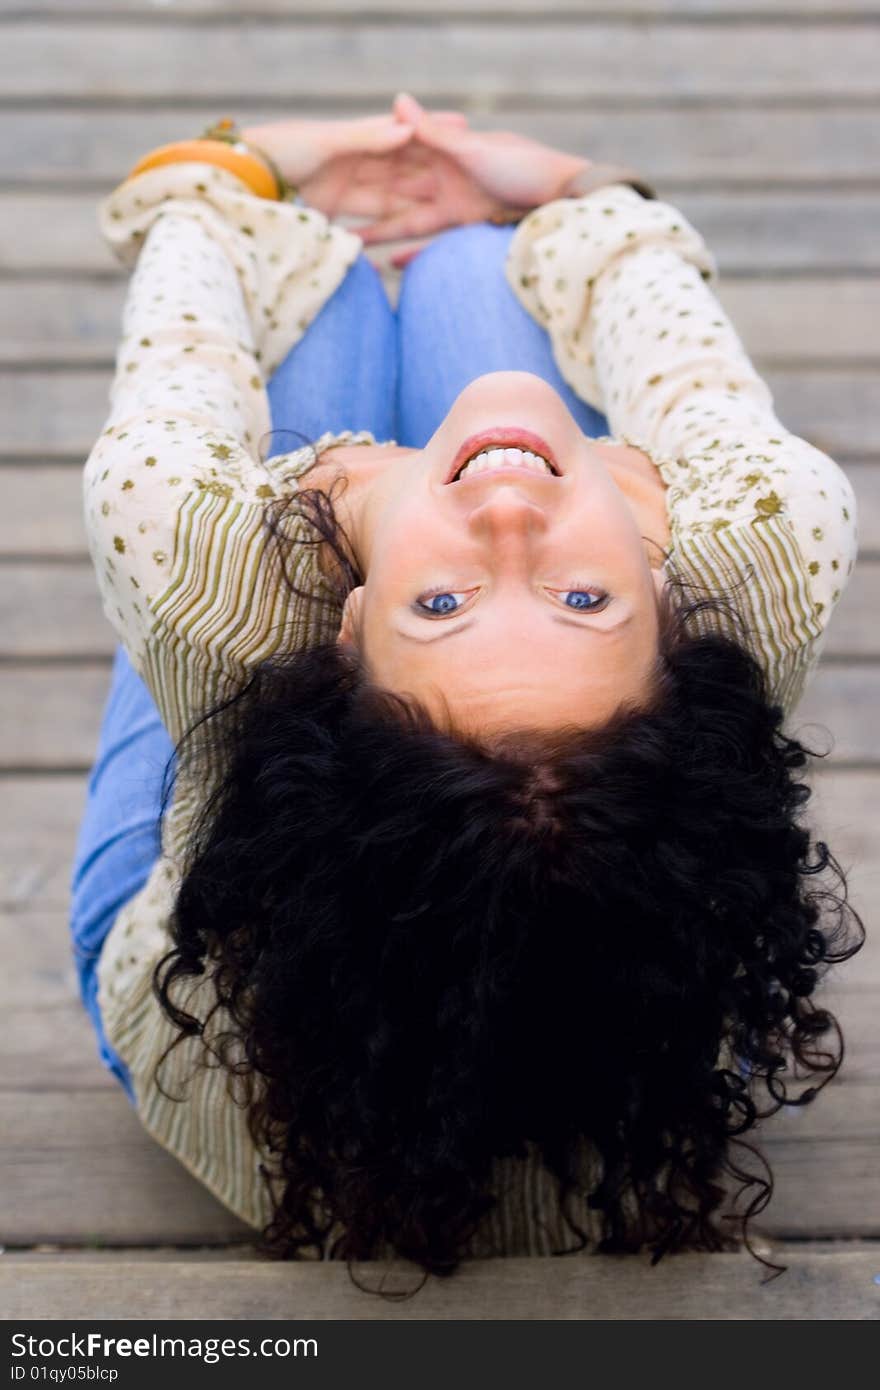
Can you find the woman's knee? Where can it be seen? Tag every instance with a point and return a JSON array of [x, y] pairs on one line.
[[361, 289], [475, 241], [457, 256]]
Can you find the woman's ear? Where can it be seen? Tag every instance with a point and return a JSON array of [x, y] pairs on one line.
[[659, 577], [350, 627]]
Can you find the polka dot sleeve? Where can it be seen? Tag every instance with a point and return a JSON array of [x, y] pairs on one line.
[[224, 282], [623, 286]]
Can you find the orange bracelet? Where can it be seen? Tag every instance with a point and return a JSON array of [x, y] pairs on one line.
[[259, 177]]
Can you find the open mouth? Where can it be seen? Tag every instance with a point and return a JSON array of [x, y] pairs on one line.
[[503, 450]]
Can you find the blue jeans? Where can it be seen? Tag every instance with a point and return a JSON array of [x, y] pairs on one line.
[[360, 366]]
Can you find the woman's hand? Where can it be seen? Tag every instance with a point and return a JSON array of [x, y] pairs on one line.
[[412, 172], [344, 167], [449, 175]]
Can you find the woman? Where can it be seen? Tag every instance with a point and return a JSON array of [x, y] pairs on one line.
[[483, 908]]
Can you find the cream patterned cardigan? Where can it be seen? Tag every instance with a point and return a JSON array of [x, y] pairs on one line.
[[223, 284]]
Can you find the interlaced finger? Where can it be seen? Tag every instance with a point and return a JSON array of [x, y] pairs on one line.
[[420, 219]]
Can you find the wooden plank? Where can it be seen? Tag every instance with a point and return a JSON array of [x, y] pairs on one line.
[[53, 1049], [705, 10], [750, 234], [852, 631], [39, 817], [808, 320], [42, 516], [445, 59], [51, 1040], [50, 715], [48, 1253], [42, 511], [801, 1167], [728, 144], [865, 478], [828, 1189], [844, 1110], [38, 968], [127, 1188], [49, 1043], [856, 1009], [50, 415], [824, 1285], [50, 610], [39, 984], [60, 320], [53, 610], [837, 410], [842, 810], [804, 320], [838, 714]]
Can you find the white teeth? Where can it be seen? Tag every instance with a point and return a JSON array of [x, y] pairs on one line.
[[505, 458]]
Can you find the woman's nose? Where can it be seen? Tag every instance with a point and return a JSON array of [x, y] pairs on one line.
[[507, 510]]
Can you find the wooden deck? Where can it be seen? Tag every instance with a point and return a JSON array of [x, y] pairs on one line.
[[758, 118]]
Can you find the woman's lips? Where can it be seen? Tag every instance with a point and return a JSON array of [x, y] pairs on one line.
[[505, 437]]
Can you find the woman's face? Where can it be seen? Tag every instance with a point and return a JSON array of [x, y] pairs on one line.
[[509, 598]]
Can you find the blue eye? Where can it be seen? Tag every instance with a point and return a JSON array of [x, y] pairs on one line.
[[583, 599], [442, 604]]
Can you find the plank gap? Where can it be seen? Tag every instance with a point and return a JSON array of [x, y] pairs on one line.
[[382, 15]]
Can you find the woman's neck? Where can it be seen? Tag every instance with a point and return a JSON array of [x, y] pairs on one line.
[[350, 470]]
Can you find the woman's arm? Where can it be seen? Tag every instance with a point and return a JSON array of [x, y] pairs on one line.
[[623, 287], [224, 283]]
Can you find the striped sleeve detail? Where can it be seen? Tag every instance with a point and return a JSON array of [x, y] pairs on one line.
[[759, 566], [206, 1130], [190, 1111], [226, 608]]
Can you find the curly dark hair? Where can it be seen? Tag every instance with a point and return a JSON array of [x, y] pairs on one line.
[[436, 953]]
